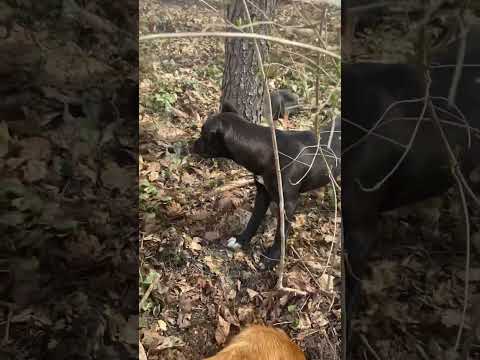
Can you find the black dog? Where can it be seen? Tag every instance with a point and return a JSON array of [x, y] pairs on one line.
[[227, 135], [284, 103], [368, 90]]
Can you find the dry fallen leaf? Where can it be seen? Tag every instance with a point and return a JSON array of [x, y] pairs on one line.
[[170, 342], [151, 339], [35, 148], [451, 318], [184, 320], [115, 177], [194, 244], [252, 293], [326, 282], [35, 170], [213, 264], [245, 314], [304, 321], [200, 215], [329, 238], [174, 210], [229, 201], [154, 175], [188, 179], [142, 355], [162, 325], [211, 235], [222, 331], [229, 317], [299, 280], [319, 318]]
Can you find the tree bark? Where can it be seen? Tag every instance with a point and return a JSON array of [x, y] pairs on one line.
[[242, 84]]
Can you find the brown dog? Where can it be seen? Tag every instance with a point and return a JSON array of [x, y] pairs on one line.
[[260, 343]]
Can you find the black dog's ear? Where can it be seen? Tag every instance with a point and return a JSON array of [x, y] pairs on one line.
[[228, 107]]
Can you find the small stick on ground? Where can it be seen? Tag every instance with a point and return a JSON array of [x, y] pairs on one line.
[[6, 336], [369, 347], [233, 185], [149, 290], [292, 290]]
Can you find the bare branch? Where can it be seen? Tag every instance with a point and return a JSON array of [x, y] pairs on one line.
[[151, 37]]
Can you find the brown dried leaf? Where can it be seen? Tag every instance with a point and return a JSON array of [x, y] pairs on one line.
[[35, 148], [174, 210], [213, 264], [225, 203], [179, 113], [188, 179], [184, 320], [304, 321], [34, 170], [451, 318], [170, 342], [151, 339], [245, 314], [200, 215], [194, 244], [252, 293], [229, 317], [326, 282], [116, 177], [162, 325], [222, 331], [211, 235], [154, 175], [299, 280], [142, 355]]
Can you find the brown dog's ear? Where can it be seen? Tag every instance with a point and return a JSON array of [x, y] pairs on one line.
[[228, 107]]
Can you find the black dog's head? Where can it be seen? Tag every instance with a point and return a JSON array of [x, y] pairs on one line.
[[211, 142]]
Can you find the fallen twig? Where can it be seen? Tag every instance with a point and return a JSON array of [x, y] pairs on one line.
[[292, 290], [233, 185], [149, 290], [6, 335]]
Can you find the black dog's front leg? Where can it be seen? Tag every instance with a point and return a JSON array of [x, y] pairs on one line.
[[360, 229], [262, 201], [273, 254]]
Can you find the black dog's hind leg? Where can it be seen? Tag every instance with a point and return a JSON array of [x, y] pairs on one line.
[[262, 201]]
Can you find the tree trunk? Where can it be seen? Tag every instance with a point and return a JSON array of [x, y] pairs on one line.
[[242, 84]]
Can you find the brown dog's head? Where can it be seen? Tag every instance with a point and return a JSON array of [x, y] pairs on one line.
[[211, 143]]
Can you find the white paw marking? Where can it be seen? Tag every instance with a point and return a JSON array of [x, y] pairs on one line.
[[233, 244]]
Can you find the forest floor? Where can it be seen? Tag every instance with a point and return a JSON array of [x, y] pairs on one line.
[[189, 207]]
